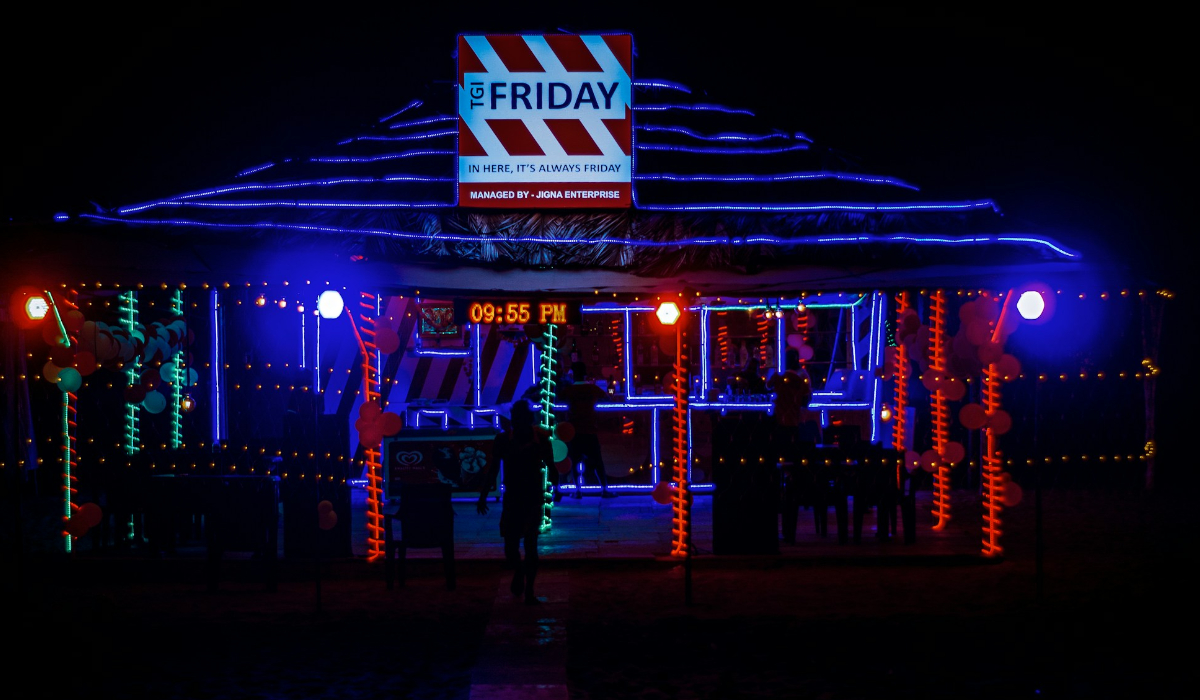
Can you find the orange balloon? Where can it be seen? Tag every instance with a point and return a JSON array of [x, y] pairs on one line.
[[387, 340], [91, 514], [324, 507], [85, 362], [662, 492], [563, 466], [972, 416], [954, 389], [1000, 422], [953, 452], [912, 461], [564, 431], [930, 460], [370, 410], [327, 521], [390, 423], [1012, 494]]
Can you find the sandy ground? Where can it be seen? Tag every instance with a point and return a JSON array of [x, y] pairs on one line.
[[1114, 620]]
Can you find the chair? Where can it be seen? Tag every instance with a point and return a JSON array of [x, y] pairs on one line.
[[426, 519]]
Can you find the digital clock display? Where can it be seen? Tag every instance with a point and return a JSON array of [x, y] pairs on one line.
[[502, 311]]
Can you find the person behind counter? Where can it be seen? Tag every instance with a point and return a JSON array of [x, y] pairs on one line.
[[581, 397], [524, 450], [793, 392]]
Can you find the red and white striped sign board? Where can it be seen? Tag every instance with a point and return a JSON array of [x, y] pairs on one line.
[[545, 121]]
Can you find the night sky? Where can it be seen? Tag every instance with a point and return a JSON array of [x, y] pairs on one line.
[[1077, 127]]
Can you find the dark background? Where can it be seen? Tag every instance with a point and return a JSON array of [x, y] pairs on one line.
[[1080, 126]]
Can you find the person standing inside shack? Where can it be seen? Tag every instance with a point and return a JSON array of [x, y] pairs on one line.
[[581, 397], [524, 450], [793, 392]]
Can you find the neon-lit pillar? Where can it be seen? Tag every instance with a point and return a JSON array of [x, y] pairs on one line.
[[899, 417], [875, 359], [368, 308], [177, 379], [546, 391], [993, 476], [940, 411], [132, 441], [69, 455], [217, 390], [681, 499]]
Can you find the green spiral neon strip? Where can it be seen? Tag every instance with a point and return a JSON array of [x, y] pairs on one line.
[[177, 380], [66, 432], [546, 394], [129, 315], [66, 462]]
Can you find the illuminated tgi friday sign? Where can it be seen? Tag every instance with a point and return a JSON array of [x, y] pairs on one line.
[[545, 121]]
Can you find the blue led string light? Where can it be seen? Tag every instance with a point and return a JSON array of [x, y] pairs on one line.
[[683, 130], [439, 119], [715, 240], [376, 159], [324, 182], [719, 151], [778, 177], [697, 107], [255, 169], [405, 137], [411, 105], [661, 84]]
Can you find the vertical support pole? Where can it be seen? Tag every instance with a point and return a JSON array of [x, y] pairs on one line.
[[177, 374], [546, 391], [993, 481], [132, 440], [993, 472], [900, 418], [681, 500], [368, 308], [939, 409], [217, 353]]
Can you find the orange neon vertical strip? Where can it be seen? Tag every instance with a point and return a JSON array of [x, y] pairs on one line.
[[993, 484], [939, 409], [681, 500], [366, 345], [764, 338], [993, 481], [900, 420], [802, 329]]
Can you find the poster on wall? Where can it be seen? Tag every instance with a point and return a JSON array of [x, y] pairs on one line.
[[545, 121], [457, 458]]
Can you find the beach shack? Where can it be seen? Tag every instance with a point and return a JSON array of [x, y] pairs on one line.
[[365, 312]]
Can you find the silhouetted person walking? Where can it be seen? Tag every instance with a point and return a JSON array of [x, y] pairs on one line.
[[524, 450]]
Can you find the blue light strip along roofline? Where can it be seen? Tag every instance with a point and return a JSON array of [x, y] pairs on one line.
[[411, 105], [778, 177], [719, 151], [662, 84], [697, 107], [1032, 241], [684, 131]]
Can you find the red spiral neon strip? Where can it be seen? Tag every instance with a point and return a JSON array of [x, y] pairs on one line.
[[681, 522], [375, 529], [619, 348], [940, 411], [764, 334], [802, 329], [900, 425], [993, 481], [723, 338]]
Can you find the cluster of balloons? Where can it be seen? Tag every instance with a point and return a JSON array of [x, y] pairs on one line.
[[326, 516], [89, 346], [374, 423], [86, 517]]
